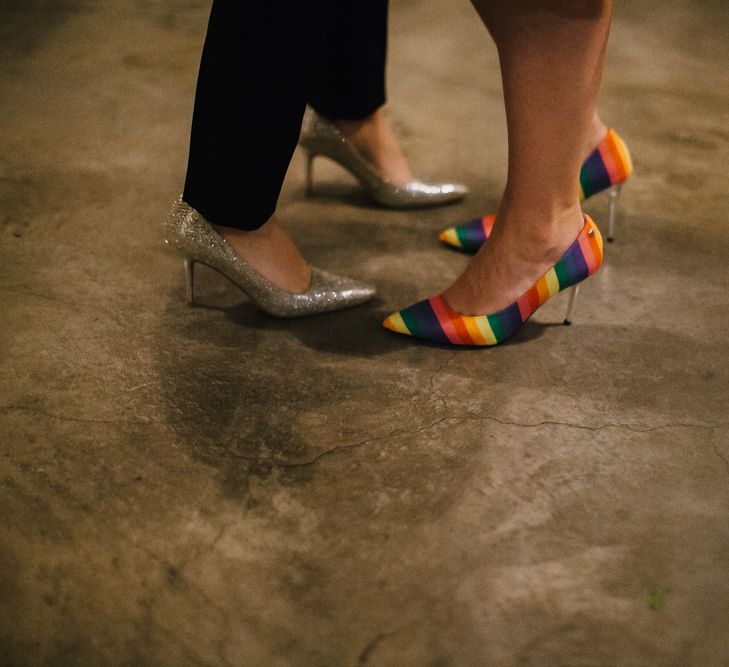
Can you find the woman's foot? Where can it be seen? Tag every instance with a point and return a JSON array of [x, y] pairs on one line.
[[375, 139], [598, 132], [271, 252], [517, 255], [607, 166]]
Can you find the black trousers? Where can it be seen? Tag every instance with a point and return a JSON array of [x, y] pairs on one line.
[[263, 61]]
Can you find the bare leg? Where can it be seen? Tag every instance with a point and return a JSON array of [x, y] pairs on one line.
[[598, 131], [375, 139], [551, 54]]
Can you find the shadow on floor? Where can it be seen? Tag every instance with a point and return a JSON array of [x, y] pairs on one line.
[[355, 332]]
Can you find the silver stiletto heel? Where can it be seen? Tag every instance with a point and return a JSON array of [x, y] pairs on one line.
[[189, 280], [613, 200], [322, 137], [571, 304], [198, 242]]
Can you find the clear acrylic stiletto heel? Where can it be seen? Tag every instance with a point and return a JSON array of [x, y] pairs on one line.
[[571, 304], [613, 195]]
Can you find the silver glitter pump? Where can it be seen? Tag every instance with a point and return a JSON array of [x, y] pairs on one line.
[[321, 137], [198, 242]]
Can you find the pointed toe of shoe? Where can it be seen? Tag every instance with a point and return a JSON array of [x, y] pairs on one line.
[[417, 320], [450, 238], [360, 292], [355, 289], [436, 194], [328, 292], [339, 292], [455, 190], [417, 194], [469, 236], [394, 322]]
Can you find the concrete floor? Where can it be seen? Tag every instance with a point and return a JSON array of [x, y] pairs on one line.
[[210, 486]]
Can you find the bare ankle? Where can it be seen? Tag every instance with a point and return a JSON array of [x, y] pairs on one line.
[[551, 215], [598, 132], [375, 139], [351, 127], [539, 235]]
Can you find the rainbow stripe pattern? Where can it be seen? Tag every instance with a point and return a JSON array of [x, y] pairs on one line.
[[608, 166], [469, 236], [435, 321]]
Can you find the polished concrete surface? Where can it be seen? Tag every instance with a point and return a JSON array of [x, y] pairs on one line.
[[209, 486]]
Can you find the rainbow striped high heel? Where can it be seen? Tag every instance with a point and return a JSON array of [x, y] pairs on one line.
[[605, 170], [435, 321]]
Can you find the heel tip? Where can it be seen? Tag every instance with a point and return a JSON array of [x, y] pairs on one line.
[[567, 323]]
